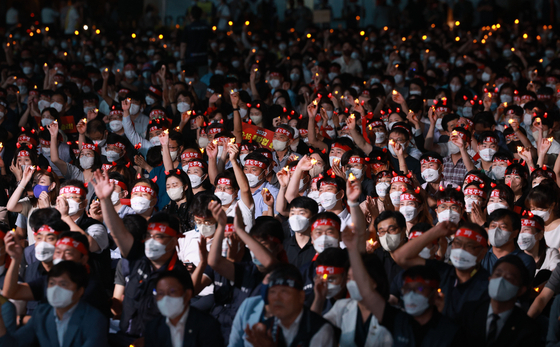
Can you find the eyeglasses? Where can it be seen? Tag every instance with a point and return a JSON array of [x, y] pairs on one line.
[[467, 246], [205, 222], [176, 293], [158, 237]]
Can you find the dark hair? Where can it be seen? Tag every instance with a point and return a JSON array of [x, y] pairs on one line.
[[305, 203], [544, 196], [164, 217], [327, 215], [518, 263], [44, 216], [75, 271], [154, 157], [76, 236], [448, 118], [136, 225], [185, 180], [433, 155], [286, 272], [338, 181], [336, 257], [96, 125], [422, 272], [502, 213], [259, 157], [450, 193], [185, 281], [377, 272], [58, 225], [230, 176], [199, 206], [266, 227], [401, 222]]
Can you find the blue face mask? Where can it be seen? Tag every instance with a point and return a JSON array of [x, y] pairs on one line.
[[38, 189], [264, 293]]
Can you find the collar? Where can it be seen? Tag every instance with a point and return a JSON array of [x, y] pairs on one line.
[[294, 324], [503, 316], [67, 314], [181, 322], [343, 214]]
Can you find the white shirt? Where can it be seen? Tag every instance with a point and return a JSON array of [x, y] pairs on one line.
[[354, 67], [187, 251], [323, 337], [551, 259], [247, 213], [178, 331]]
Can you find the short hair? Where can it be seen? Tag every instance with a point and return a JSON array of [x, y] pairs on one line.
[[448, 118], [306, 203], [76, 236], [136, 225], [502, 213], [164, 217], [185, 281], [376, 271], [75, 271], [230, 176], [96, 125], [266, 227], [44, 216], [422, 272], [336, 257], [284, 273], [258, 157], [518, 263], [401, 222], [199, 206], [338, 181], [450, 193], [326, 215]]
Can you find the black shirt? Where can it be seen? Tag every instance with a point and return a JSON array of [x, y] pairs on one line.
[[296, 255], [391, 267], [412, 164], [362, 329], [196, 37]]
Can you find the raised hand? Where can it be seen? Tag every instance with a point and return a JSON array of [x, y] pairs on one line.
[[234, 97], [13, 247], [53, 128], [62, 206], [92, 114], [353, 190], [320, 288], [81, 127], [283, 178], [218, 212], [164, 138], [125, 104], [212, 150], [202, 251], [27, 174], [15, 168], [350, 239], [305, 163], [397, 97], [267, 198], [457, 141], [102, 185], [44, 200], [233, 151]]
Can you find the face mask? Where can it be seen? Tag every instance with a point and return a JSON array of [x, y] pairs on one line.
[[390, 242], [175, 193], [279, 145], [57, 106], [409, 212], [59, 297], [206, 230], [495, 206], [454, 87], [242, 112], [415, 92], [38, 189], [294, 77], [203, 142], [112, 156], [149, 100], [485, 77], [462, 259], [506, 98], [242, 158], [395, 198], [44, 251], [498, 237], [487, 154], [452, 148], [415, 304], [224, 197], [275, 83], [134, 109], [130, 74], [153, 249], [526, 241], [86, 162], [467, 112], [449, 215], [155, 141], [323, 242], [256, 119], [425, 253], [501, 290], [432, 59], [398, 78], [46, 151], [22, 90], [115, 199], [356, 172], [430, 175], [255, 260], [183, 107], [390, 125], [171, 307], [332, 290], [527, 118], [27, 70], [469, 203], [328, 200], [499, 172], [173, 155], [438, 124], [380, 136], [353, 290], [115, 125], [196, 180], [387, 88], [42, 104], [298, 223], [46, 121], [140, 204], [332, 75], [543, 214], [254, 180], [73, 207], [381, 189], [100, 143], [314, 195]]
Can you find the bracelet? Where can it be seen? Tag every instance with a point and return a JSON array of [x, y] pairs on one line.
[[236, 109], [353, 204]]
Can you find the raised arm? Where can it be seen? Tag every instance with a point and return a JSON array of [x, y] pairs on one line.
[[103, 189], [220, 264], [311, 135], [62, 207], [167, 162], [60, 164], [242, 182], [261, 252], [357, 137], [212, 152], [467, 160], [399, 150], [129, 129], [353, 191], [407, 255], [237, 121], [12, 289]]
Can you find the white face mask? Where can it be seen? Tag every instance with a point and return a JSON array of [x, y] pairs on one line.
[[425, 253], [356, 172], [487, 154], [380, 136], [149, 100], [543, 214], [495, 206], [498, 237], [526, 241], [44, 251], [390, 125], [140, 204], [506, 98], [430, 175], [323, 242], [392, 150], [203, 142], [155, 141], [73, 207], [196, 180], [175, 193], [501, 290], [298, 223], [206, 230], [449, 215], [438, 124], [115, 199], [115, 125], [134, 109], [409, 212], [462, 259], [395, 198], [353, 290], [332, 159], [242, 112], [153, 249], [499, 172], [254, 180], [415, 304], [332, 290], [99, 143], [171, 307], [390, 242], [469, 203], [59, 297], [174, 155], [256, 119], [57, 106], [224, 197], [314, 194], [275, 83], [381, 189], [43, 104], [527, 118], [328, 200], [46, 121], [452, 148], [86, 162], [46, 151], [279, 145], [183, 107], [112, 156], [485, 77]]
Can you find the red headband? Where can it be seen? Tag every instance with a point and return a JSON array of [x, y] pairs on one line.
[[67, 241], [377, 123], [490, 139], [106, 167], [409, 197], [495, 193], [325, 221], [531, 223], [48, 229], [275, 74], [402, 179], [283, 131], [143, 189], [253, 162], [230, 228], [449, 200], [91, 146], [155, 91], [43, 142], [118, 183], [475, 191], [303, 131], [196, 163], [329, 270], [164, 229], [118, 145], [155, 128], [430, 160], [25, 138], [23, 154], [473, 235], [470, 178], [72, 190], [187, 155], [214, 130], [225, 181], [356, 160], [343, 147], [418, 279], [157, 113], [115, 112]]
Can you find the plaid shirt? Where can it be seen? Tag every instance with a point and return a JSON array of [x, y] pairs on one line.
[[454, 173]]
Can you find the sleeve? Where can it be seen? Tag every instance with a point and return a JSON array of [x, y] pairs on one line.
[[25, 207], [9, 316], [94, 329], [119, 277], [37, 287], [23, 337], [236, 337], [99, 234], [21, 222], [248, 214], [554, 281], [133, 136], [64, 152], [72, 172], [553, 336], [323, 337], [553, 257]]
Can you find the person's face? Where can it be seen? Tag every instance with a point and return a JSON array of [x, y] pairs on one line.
[[44, 236], [173, 182], [295, 211], [281, 137], [69, 253], [58, 98], [204, 220], [469, 245], [515, 182], [449, 206], [485, 145], [390, 226], [170, 286], [43, 180], [533, 231], [452, 124], [97, 135], [87, 153], [284, 301], [419, 288], [537, 180], [354, 165], [112, 147], [336, 152], [429, 165], [142, 194], [396, 186], [115, 117], [184, 98], [506, 225], [328, 230], [398, 138], [255, 170], [169, 241], [23, 161], [255, 112], [65, 282], [195, 170]]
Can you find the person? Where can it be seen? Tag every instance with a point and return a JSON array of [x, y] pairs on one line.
[[498, 321], [65, 320], [298, 246], [391, 234], [291, 323], [180, 323]]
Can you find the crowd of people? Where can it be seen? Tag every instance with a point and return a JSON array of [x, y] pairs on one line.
[[219, 187]]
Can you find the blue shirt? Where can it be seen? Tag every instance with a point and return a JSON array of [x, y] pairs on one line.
[[260, 206], [62, 325], [490, 260], [163, 198]]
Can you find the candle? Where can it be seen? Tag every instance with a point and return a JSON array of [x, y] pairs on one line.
[[519, 149], [370, 241], [351, 177], [325, 277], [395, 92], [232, 140], [166, 131], [313, 161]]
